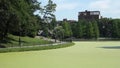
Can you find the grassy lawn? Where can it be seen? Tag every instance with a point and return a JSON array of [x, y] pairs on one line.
[[26, 41], [34, 48], [81, 55]]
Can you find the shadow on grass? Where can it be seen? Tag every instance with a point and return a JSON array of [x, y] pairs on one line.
[[9, 40], [111, 47]]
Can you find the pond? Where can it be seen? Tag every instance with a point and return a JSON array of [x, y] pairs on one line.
[[81, 55]]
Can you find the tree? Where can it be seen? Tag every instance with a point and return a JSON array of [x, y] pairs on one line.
[[115, 28], [17, 18], [119, 28], [53, 24], [105, 26], [47, 11], [95, 29], [48, 14], [79, 30], [24, 9], [9, 20], [74, 29], [89, 30], [58, 33], [67, 28]]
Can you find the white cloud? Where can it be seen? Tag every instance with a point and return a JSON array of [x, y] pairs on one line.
[[67, 6], [100, 4], [108, 8], [70, 8], [62, 4]]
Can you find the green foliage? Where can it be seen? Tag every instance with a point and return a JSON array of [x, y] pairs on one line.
[[68, 31], [73, 28], [18, 18], [85, 30], [89, 30], [105, 27], [79, 30], [48, 18], [116, 28], [109, 28], [59, 32], [6, 16], [53, 24], [96, 30], [47, 11], [46, 31]]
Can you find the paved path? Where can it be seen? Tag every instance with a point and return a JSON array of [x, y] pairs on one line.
[[48, 39], [53, 44]]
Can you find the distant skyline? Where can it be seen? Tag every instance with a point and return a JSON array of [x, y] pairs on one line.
[[69, 8]]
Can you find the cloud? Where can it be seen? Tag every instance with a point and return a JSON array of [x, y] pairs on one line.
[[70, 8], [67, 6], [108, 8], [62, 4], [100, 4]]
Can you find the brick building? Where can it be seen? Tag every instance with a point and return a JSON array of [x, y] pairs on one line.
[[89, 15]]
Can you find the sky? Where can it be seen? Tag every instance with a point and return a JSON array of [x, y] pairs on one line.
[[69, 8]]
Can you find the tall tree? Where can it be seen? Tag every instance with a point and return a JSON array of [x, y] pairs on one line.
[[48, 11], [18, 13], [95, 29], [104, 27], [48, 15], [79, 30], [74, 29], [115, 28], [9, 20], [53, 24], [58, 33], [67, 28], [89, 30]]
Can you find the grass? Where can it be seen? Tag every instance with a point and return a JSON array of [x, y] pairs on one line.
[[3, 50], [81, 55], [26, 41]]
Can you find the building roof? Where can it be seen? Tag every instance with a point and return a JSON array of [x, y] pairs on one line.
[[89, 12]]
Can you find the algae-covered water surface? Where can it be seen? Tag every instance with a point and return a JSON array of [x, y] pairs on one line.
[[81, 55]]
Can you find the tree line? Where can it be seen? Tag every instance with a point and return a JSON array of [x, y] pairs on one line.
[[105, 28], [17, 17], [109, 28]]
